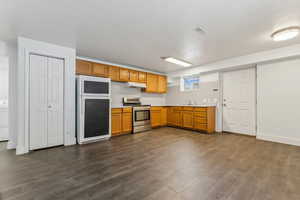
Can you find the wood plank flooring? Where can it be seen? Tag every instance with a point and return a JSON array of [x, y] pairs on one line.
[[162, 164]]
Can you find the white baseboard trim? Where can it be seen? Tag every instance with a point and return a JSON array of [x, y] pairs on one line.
[[20, 150], [11, 145], [70, 142], [278, 139]]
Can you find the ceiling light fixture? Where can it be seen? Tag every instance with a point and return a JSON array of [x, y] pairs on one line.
[[286, 33], [177, 61]]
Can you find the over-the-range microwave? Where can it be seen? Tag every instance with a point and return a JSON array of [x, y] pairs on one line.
[[94, 86]]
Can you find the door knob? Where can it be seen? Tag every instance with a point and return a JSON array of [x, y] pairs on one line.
[[224, 105], [49, 106]]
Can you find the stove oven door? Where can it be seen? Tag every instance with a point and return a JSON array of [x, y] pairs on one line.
[[141, 116]]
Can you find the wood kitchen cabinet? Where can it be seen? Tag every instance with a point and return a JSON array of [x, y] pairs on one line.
[[162, 84], [127, 120], [195, 118], [124, 74], [155, 116], [133, 76], [116, 121], [188, 118], [114, 73], [174, 116], [163, 118], [177, 118], [156, 83], [152, 83], [100, 70], [84, 67], [121, 121], [142, 77]]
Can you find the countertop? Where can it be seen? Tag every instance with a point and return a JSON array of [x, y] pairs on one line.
[[204, 105], [210, 105], [121, 106]]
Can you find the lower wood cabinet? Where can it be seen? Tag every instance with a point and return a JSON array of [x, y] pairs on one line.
[[158, 116], [188, 119], [155, 116], [116, 121], [163, 119], [127, 120], [195, 118], [121, 121]]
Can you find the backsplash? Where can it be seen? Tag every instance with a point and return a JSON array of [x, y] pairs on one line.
[[208, 92], [205, 95], [120, 90]]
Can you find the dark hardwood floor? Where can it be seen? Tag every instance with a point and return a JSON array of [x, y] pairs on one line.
[[164, 163]]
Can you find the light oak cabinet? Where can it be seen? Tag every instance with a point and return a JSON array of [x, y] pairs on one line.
[[84, 67], [158, 116], [152, 83], [187, 119], [162, 84], [163, 119], [114, 73], [142, 77], [133, 76], [100, 70], [155, 118], [156, 83], [124, 74], [127, 122], [116, 121], [196, 118], [121, 121]]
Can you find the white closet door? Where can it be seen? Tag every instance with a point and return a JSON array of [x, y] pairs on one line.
[[239, 106], [3, 124], [38, 102], [55, 101]]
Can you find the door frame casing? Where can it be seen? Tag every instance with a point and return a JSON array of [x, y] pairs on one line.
[[25, 48], [221, 79]]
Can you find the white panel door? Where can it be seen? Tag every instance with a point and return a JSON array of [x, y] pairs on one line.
[[239, 101], [55, 101], [38, 102], [3, 124]]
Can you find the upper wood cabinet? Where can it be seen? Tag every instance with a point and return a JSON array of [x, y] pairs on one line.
[[162, 84], [100, 70], [156, 83], [152, 83], [142, 77], [124, 74], [114, 73], [84, 67], [133, 76]]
